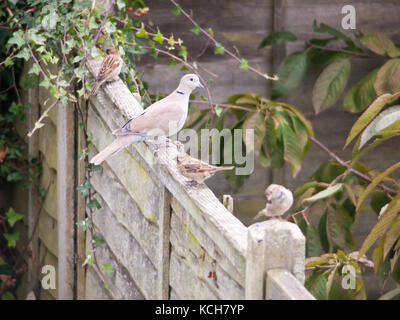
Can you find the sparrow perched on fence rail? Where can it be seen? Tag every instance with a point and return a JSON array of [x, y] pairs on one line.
[[279, 200], [109, 70], [195, 169], [161, 119]]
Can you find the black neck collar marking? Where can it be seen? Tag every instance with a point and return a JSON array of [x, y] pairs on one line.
[[180, 92]]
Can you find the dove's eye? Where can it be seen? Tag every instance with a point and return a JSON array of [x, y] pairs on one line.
[[191, 79]]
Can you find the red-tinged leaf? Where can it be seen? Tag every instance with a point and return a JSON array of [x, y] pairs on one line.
[[380, 44], [388, 78]]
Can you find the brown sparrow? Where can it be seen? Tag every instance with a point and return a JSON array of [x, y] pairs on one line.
[[195, 169], [279, 200], [110, 68]]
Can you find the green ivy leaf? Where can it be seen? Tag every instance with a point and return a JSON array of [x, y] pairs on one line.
[[159, 37], [13, 217], [183, 53], [23, 54], [244, 65], [107, 268], [210, 32], [84, 224], [277, 37], [12, 239], [176, 11], [8, 62], [219, 49], [34, 69], [330, 84], [196, 29], [45, 83], [17, 39], [29, 82], [97, 240], [49, 21], [93, 204], [290, 73], [142, 33]]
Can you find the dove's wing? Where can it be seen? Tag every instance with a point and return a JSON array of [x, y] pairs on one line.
[[157, 119]]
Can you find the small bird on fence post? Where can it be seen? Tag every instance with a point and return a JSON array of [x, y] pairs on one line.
[[163, 118], [279, 200], [109, 70]]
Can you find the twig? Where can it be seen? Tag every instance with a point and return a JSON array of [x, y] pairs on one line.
[[230, 53], [344, 164], [355, 54]]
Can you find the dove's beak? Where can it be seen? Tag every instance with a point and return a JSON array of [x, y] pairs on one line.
[[201, 86]]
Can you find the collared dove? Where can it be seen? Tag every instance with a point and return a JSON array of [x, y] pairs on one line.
[[279, 200], [110, 68], [163, 118]]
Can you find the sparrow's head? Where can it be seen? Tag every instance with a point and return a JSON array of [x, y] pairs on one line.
[[279, 197], [190, 81], [111, 50]]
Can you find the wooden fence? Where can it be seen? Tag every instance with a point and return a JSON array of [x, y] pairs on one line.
[[165, 240]]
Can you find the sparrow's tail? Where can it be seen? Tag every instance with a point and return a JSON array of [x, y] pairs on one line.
[[114, 147], [224, 168], [259, 215], [96, 87]]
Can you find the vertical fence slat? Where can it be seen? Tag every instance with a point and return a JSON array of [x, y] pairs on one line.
[[164, 259], [33, 208], [65, 196], [80, 211]]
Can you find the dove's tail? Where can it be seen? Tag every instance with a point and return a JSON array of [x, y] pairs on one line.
[[114, 147]]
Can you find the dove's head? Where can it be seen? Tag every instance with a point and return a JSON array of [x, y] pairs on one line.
[[189, 82]]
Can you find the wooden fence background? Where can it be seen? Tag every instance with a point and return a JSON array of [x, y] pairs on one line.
[[165, 239], [134, 224]]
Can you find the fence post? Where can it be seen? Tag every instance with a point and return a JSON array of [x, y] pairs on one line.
[[273, 244]]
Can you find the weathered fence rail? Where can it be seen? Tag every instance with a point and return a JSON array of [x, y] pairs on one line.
[[165, 239]]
